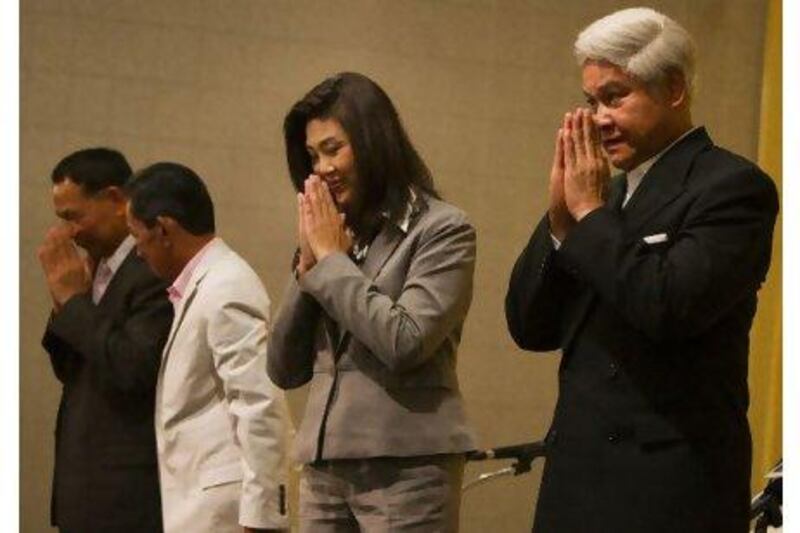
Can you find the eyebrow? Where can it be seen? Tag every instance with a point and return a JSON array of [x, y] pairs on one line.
[[327, 141], [607, 87]]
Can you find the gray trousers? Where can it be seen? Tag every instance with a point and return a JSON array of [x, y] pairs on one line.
[[382, 494]]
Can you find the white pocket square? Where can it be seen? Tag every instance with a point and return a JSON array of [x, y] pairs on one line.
[[656, 238]]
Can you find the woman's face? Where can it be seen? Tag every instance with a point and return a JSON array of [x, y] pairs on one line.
[[332, 159]]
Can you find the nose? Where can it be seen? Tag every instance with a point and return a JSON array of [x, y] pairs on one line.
[[73, 228], [602, 117], [323, 167]]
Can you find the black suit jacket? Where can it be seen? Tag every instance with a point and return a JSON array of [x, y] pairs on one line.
[[107, 358], [650, 430]]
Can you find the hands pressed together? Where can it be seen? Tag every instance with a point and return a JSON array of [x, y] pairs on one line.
[[321, 228], [66, 272], [579, 178]]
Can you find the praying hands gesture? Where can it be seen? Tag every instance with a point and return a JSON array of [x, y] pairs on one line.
[[66, 272], [579, 177], [321, 228]]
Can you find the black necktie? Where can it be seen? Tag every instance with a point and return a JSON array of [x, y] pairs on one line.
[[616, 195]]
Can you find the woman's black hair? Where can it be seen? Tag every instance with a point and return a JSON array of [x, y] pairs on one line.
[[387, 164]]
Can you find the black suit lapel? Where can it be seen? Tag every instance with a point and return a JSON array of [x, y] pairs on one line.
[[586, 298], [661, 185], [665, 180], [117, 283]]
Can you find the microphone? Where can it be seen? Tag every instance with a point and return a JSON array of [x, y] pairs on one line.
[[526, 451]]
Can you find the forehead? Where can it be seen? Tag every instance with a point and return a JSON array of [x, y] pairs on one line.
[[319, 130], [67, 192], [597, 75]]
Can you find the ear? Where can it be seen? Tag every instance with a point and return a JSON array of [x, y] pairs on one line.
[[116, 194], [678, 90], [168, 225]]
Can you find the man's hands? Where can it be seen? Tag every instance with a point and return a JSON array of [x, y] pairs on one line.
[[321, 229], [579, 177], [66, 272]]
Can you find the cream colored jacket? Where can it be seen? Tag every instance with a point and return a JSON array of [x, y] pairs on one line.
[[222, 427]]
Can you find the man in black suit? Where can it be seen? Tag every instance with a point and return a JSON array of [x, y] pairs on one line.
[[647, 282], [109, 322]]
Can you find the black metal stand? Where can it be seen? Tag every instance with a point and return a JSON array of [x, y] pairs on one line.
[[523, 455]]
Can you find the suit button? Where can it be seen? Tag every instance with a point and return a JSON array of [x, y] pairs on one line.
[[613, 370], [613, 437]]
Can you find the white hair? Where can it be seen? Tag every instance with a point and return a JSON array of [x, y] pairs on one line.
[[641, 41]]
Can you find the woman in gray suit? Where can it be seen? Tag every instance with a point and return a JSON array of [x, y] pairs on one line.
[[372, 318]]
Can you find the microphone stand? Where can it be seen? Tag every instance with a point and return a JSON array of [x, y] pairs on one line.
[[523, 455], [766, 506]]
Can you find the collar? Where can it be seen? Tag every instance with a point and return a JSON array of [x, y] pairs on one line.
[[176, 291], [114, 261], [634, 177], [360, 249], [405, 222]]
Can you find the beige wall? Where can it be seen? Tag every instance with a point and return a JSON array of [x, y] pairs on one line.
[[481, 86]]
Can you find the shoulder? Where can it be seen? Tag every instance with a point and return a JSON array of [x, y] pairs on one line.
[[230, 277], [137, 275], [719, 169], [437, 213]]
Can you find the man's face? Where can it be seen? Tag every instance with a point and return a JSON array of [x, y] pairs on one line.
[[332, 159], [151, 246], [96, 221], [633, 118]]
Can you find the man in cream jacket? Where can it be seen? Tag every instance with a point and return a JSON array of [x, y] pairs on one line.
[[221, 425]]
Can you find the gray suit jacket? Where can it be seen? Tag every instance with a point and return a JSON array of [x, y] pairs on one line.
[[378, 342]]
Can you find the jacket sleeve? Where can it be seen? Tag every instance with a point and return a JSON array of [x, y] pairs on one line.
[[237, 334], [436, 294], [123, 352], [536, 293], [290, 353], [63, 358], [718, 256]]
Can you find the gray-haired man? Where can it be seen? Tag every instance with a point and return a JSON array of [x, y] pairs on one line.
[[648, 283]]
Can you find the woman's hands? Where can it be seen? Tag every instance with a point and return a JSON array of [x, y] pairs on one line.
[[321, 228]]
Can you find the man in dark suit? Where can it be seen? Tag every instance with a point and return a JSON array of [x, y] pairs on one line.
[[109, 322], [648, 286]]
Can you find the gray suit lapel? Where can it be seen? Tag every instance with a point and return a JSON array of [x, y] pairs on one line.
[[381, 249], [379, 252]]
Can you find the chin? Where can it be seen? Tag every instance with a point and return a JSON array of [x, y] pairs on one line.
[[342, 202], [622, 161]]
